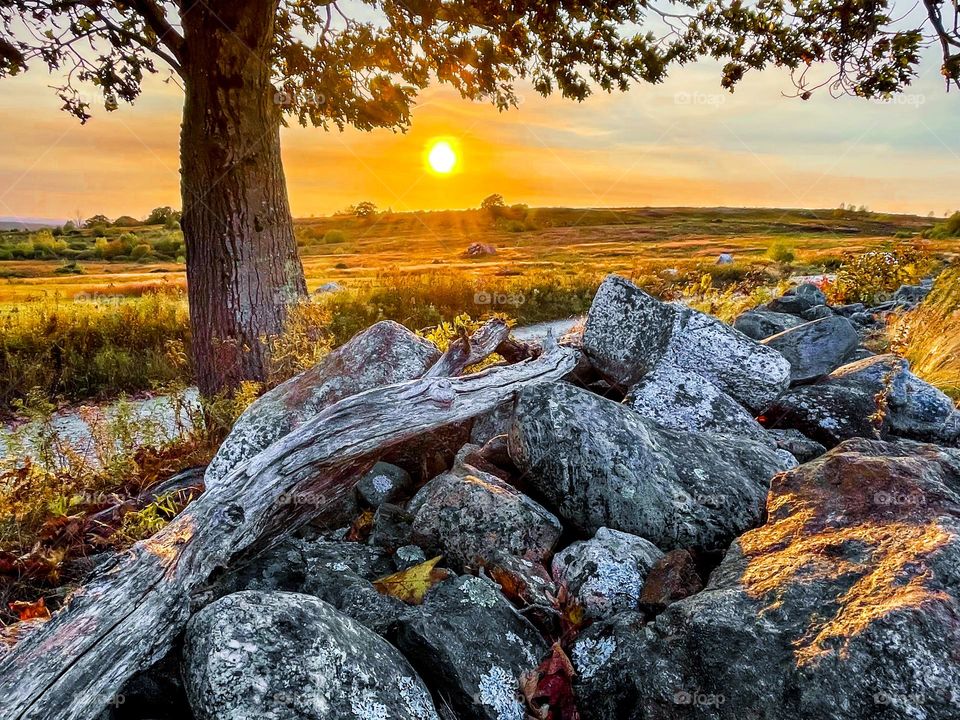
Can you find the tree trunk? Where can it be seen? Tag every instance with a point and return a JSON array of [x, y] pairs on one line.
[[242, 264]]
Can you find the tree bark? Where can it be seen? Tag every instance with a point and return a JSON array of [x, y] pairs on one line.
[[243, 269]]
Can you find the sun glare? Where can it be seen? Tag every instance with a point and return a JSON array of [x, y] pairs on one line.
[[441, 157]]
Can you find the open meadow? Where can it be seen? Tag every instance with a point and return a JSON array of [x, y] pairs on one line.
[[94, 312]]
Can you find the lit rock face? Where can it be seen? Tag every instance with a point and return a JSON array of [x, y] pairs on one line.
[[599, 464], [606, 573], [285, 656], [682, 400], [628, 333], [843, 605], [383, 354]]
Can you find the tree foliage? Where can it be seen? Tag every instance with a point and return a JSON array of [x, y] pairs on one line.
[[363, 63]]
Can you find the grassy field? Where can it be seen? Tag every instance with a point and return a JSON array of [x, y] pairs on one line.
[[97, 321]]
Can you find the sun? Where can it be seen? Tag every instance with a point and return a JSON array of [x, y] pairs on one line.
[[441, 157]]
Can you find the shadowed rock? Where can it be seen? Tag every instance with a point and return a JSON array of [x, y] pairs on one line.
[[761, 324], [844, 605], [816, 348], [474, 646], [599, 464]]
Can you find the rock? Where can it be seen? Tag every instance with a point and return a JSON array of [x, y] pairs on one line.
[[791, 304], [816, 348], [286, 656], [817, 312], [682, 400], [392, 527], [724, 259], [761, 324], [868, 398], [797, 444], [492, 424], [843, 606], [479, 249], [810, 291], [156, 693], [606, 573], [328, 287], [468, 516], [384, 483], [294, 565], [408, 556], [747, 371], [911, 295], [864, 319], [600, 464], [474, 647], [383, 354], [628, 333], [673, 577], [848, 310]]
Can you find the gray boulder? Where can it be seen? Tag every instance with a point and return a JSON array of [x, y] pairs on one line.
[[383, 354], [761, 324], [842, 607], [816, 348], [810, 292], [797, 444], [911, 295], [286, 656], [600, 464], [470, 516], [606, 573], [383, 483], [474, 646], [792, 304], [868, 398], [628, 333], [682, 400], [817, 312]]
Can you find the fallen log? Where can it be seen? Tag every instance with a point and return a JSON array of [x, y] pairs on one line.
[[130, 614], [466, 351]]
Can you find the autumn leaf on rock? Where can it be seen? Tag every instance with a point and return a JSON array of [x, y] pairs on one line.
[[549, 688], [412, 584], [30, 610]]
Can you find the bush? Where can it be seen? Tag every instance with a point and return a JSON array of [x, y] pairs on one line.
[[781, 252], [334, 236], [947, 229], [870, 276], [141, 251]]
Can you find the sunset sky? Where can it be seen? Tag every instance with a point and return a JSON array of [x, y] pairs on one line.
[[684, 142]]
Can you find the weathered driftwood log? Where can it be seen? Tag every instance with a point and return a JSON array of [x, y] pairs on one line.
[[129, 615], [466, 351]]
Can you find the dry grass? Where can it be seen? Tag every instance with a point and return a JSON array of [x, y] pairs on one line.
[[929, 337]]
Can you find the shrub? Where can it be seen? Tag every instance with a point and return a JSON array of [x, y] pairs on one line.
[[334, 236], [781, 252], [947, 229], [869, 276], [141, 251]]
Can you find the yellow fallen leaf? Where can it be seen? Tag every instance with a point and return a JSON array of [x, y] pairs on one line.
[[412, 584]]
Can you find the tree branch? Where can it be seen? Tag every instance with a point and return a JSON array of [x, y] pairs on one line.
[[157, 21]]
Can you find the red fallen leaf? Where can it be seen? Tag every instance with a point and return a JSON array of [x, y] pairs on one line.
[[360, 530], [30, 610], [549, 688]]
